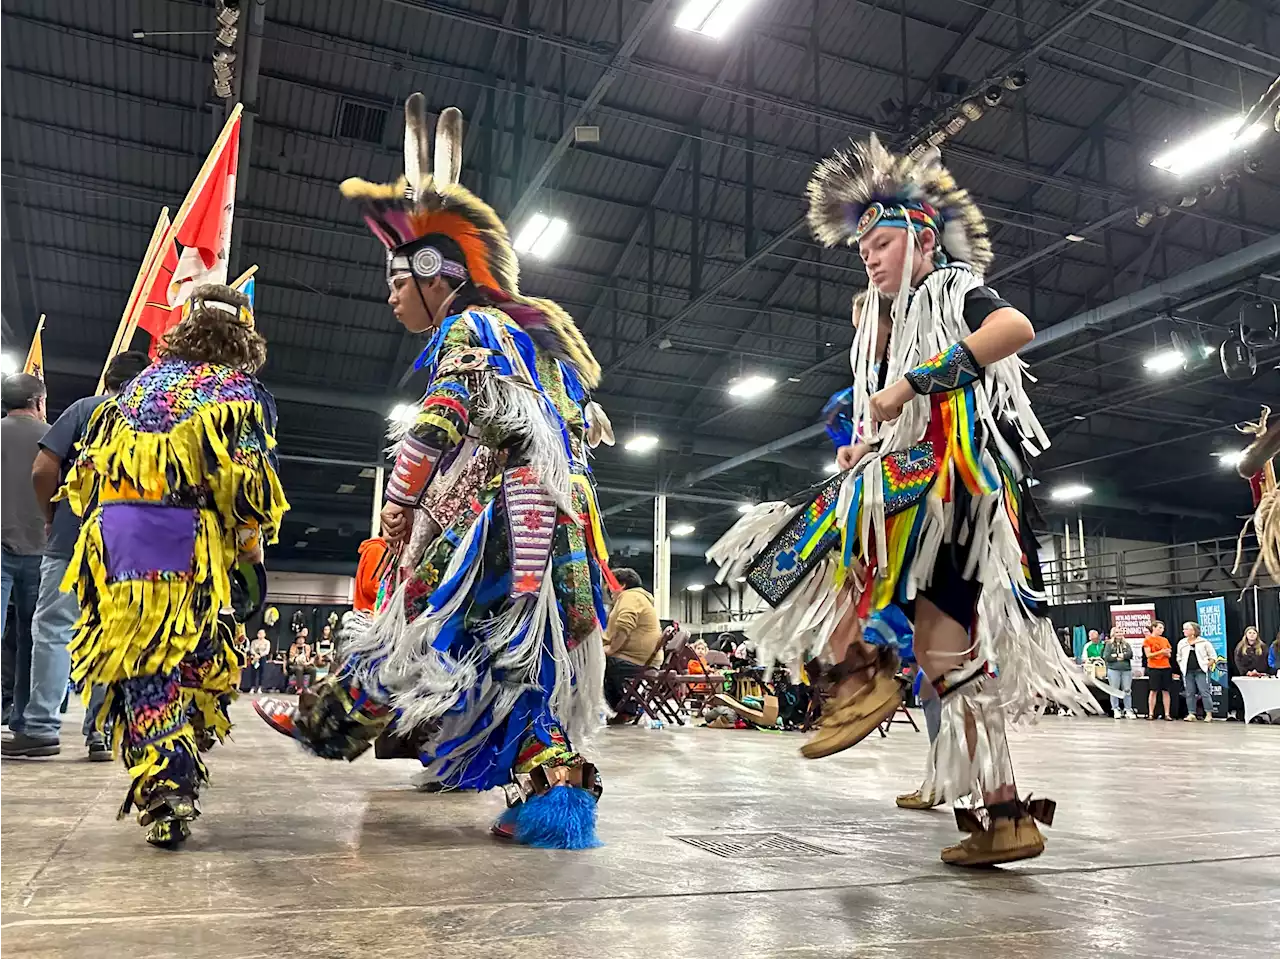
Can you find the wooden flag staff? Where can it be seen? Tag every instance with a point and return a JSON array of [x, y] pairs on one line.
[[128, 319]]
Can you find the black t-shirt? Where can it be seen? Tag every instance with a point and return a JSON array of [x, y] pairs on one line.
[[1193, 663], [979, 303]]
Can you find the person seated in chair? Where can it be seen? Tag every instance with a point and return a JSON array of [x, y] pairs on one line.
[[632, 642], [301, 664]]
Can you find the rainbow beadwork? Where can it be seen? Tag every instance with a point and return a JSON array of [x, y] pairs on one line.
[[952, 369], [908, 474], [172, 391]]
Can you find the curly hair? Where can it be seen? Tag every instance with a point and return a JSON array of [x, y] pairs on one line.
[[216, 331]]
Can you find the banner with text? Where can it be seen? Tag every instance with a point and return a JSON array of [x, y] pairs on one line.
[[1211, 614], [1134, 619]]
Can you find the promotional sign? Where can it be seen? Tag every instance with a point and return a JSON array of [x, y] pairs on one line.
[[1134, 620], [1211, 614]]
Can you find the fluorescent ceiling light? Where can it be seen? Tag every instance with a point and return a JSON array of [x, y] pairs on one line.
[[311, 529], [711, 18], [831, 468], [1208, 146], [346, 487], [9, 364], [300, 544], [368, 473], [1208, 350], [641, 443], [1070, 492], [683, 529], [1165, 361], [542, 235], [741, 579], [749, 387], [1230, 459], [695, 587], [746, 507], [1074, 238]]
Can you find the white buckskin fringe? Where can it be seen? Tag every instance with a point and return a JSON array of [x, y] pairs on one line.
[[738, 548], [950, 773], [510, 409]]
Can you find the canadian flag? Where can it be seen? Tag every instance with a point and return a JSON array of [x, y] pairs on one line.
[[203, 229]]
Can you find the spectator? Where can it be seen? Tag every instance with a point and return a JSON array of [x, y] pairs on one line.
[[1197, 660], [1093, 648], [302, 668], [259, 653], [1118, 655], [40, 729], [1273, 656], [633, 641], [324, 646], [1251, 655], [1156, 651], [23, 532]]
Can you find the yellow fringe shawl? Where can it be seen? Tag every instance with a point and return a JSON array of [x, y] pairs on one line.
[[140, 627]]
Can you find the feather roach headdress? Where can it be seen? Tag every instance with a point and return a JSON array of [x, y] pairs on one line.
[[856, 190], [433, 226]]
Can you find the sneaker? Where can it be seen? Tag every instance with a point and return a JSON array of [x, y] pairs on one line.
[[1208, 718], [24, 746], [99, 752], [1189, 719], [1117, 715], [281, 715], [1131, 715]]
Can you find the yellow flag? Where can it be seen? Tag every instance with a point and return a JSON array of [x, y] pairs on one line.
[[35, 355]]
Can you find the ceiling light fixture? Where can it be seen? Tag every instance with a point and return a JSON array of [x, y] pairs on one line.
[[683, 529], [1165, 361], [641, 443], [1229, 459], [749, 387], [541, 236], [746, 507], [1070, 492], [9, 364], [695, 587], [1207, 146], [711, 18], [1074, 238]]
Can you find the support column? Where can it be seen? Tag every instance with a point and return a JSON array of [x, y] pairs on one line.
[[661, 558], [379, 482]]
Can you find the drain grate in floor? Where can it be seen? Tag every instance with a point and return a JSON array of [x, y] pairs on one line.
[[754, 845]]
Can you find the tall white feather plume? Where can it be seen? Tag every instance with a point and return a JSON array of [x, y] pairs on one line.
[[417, 145], [448, 163]]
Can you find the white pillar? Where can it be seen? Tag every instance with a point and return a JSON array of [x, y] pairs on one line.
[[661, 558], [379, 480]]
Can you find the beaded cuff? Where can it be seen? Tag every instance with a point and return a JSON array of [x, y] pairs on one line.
[[414, 466], [952, 369]]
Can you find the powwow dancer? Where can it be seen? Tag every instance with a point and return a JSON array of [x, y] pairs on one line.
[[177, 484], [1258, 466], [931, 516], [489, 658]]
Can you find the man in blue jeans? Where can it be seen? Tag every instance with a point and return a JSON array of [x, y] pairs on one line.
[[37, 729], [22, 541]]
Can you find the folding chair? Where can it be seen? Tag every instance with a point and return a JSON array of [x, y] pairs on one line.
[[652, 689]]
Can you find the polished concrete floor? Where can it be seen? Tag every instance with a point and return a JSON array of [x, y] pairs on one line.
[[1167, 845]]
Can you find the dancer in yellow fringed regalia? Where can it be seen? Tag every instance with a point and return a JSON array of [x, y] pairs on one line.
[[178, 487]]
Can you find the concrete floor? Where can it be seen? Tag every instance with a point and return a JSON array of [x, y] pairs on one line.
[[1167, 845]]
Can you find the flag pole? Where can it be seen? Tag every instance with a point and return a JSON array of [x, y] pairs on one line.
[[243, 277], [124, 331], [198, 183], [35, 337]]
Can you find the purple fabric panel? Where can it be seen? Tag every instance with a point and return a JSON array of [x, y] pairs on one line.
[[148, 539]]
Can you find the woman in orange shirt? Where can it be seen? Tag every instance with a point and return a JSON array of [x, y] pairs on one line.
[[1157, 650]]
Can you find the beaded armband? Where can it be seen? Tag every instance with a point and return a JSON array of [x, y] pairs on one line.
[[952, 369], [414, 466]]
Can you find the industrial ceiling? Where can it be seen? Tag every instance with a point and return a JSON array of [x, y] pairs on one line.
[[687, 262]]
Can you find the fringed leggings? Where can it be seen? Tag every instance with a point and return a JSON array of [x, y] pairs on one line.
[[162, 722]]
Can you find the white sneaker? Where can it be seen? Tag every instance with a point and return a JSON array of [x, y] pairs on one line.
[[1117, 715], [1208, 718]]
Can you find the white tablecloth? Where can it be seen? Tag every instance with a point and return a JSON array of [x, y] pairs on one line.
[[1260, 694]]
